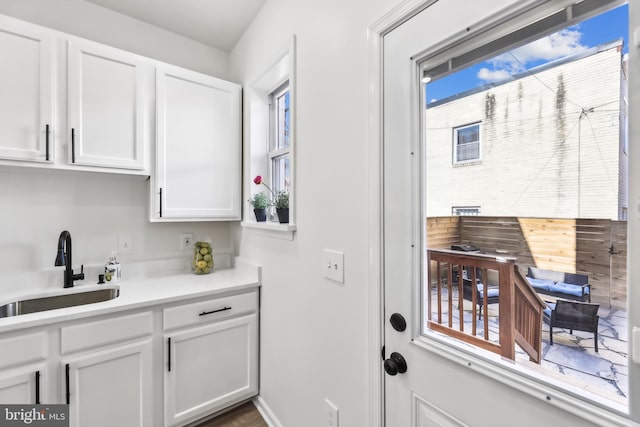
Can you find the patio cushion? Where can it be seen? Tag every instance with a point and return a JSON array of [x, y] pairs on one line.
[[539, 273], [540, 283], [567, 288], [491, 292]]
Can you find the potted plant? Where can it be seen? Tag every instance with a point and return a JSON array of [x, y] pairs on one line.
[[259, 201], [281, 203]]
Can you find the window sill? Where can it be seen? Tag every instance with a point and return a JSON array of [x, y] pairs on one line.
[[467, 163], [271, 229]]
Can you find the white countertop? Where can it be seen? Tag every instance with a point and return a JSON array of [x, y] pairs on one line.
[[138, 293]]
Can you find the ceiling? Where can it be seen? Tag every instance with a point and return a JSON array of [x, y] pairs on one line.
[[217, 23]]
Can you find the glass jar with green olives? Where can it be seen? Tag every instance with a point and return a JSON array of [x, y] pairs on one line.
[[202, 258]]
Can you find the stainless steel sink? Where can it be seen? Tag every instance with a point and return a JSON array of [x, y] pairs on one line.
[[34, 305]]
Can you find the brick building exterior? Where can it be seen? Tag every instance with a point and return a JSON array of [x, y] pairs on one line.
[[552, 143]]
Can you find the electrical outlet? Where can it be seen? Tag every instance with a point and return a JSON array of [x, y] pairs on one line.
[[125, 244], [186, 241], [332, 414]]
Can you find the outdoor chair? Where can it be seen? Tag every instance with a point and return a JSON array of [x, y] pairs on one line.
[[572, 315], [493, 295]]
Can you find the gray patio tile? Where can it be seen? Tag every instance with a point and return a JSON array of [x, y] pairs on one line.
[[604, 311], [621, 369], [583, 360], [593, 384], [622, 383], [612, 344], [612, 356]]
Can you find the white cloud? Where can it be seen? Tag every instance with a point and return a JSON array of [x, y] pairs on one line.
[[492, 75], [563, 43]]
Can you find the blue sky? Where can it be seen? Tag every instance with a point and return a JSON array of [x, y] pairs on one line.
[[600, 29]]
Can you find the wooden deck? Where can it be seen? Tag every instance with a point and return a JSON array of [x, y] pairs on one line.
[[520, 308]]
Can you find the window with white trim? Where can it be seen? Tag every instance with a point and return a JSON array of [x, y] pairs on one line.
[[465, 210], [269, 143], [466, 143], [280, 146]]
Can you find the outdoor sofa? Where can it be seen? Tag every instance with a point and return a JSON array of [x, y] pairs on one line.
[[567, 286]]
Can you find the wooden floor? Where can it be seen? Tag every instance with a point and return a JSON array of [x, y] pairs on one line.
[[245, 415]]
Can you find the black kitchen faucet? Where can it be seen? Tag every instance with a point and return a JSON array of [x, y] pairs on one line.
[[64, 258]]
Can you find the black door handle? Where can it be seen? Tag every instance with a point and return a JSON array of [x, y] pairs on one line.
[[395, 364], [73, 145], [37, 387], [67, 383], [46, 131], [169, 354], [204, 313]]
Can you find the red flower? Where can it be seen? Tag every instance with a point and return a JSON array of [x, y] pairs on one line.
[[258, 180]]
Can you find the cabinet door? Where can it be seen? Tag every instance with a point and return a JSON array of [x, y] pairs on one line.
[[110, 387], [106, 106], [21, 385], [26, 92], [198, 146], [209, 368]]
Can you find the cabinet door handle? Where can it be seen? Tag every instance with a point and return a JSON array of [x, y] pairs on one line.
[[204, 313], [67, 383], [37, 387], [73, 145], [160, 202], [169, 354], [46, 133]]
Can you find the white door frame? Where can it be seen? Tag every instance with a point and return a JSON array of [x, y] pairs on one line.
[[375, 35]]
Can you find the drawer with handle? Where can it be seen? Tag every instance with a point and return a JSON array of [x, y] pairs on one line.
[[208, 310]]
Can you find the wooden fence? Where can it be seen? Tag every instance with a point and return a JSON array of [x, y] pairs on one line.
[[597, 247]]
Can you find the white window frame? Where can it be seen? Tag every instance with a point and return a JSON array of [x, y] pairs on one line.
[[456, 130], [465, 210], [258, 150], [276, 153]]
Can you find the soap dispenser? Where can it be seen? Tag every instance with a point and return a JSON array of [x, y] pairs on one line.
[[112, 270]]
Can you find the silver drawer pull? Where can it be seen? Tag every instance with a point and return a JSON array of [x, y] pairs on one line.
[[204, 313]]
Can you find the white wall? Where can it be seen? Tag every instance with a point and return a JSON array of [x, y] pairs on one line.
[[84, 19], [37, 205], [314, 332]]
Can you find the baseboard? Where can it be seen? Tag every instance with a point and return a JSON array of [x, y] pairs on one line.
[[266, 412]]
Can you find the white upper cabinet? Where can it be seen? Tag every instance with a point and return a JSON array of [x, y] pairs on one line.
[[198, 137], [106, 94], [26, 92]]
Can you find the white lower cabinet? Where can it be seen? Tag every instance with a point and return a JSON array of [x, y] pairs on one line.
[[112, 387], [209, 368], [110, 371], [21, 385], [23, 368]]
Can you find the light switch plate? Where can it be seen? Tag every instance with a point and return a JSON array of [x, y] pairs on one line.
[[635, 343], [636, 36], [334, 265]]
